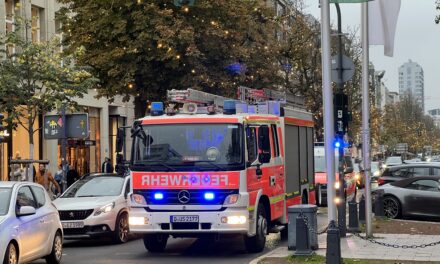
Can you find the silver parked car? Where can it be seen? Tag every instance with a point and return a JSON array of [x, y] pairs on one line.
[[30, 226], [416, 196]]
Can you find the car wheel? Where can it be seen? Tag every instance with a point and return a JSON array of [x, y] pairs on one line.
[[57, 250], [256, 243], [391, 207], [121, 229], [155, 242], [11, 255]]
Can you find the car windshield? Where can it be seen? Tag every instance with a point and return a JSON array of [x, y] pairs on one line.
[[5, 196], [95, 187], [186, 147], [374, 166], [391, 160]]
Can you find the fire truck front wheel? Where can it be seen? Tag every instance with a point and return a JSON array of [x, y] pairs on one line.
[[155, 242], [256, 243]]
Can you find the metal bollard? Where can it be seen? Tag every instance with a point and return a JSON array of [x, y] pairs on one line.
[[353, 221], [362, 211], [333, 253], [378, 206], [302, 238]]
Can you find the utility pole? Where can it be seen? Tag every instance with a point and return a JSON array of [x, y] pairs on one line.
[[366, 119], [63, 147], [340, 136]]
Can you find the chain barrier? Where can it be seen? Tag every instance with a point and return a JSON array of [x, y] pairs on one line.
[[310, 228], [394, 245]]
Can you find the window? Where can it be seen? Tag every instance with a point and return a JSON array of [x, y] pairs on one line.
[[420, 172], [127, 188], [10, 11], [425, 185], [39, 196], [36, 32], [436, 171], [276, 147], [25, 198], [251, 144]]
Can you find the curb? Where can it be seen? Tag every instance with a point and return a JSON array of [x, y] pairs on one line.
[[256, 260]]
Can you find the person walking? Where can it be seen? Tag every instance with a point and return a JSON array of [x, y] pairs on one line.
[[59, 175], [44, 178], [16, 173], [107, 166], [72, 176]]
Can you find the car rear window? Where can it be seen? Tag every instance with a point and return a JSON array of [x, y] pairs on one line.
[[395, 172]]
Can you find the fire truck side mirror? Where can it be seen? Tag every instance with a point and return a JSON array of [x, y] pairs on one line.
[[263, 144], [120, 135]]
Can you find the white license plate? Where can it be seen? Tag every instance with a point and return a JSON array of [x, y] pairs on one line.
[[184, 219], [72, 224]]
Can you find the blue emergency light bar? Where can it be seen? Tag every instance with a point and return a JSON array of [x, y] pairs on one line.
[[158, 196], [156, 108], [229, 107], [209, 196]]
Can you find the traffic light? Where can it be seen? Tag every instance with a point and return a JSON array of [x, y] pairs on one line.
[[184, 2], [1, 128]]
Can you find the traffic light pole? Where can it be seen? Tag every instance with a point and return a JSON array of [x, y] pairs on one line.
[[63, 148], [341, 206]]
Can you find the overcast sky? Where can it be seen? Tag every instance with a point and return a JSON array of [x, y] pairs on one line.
[[417, 38]]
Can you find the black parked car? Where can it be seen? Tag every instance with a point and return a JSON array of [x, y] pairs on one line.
[[405, 171], [417, 196]]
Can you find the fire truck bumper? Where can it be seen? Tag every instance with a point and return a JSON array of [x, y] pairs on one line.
[[232, 220]]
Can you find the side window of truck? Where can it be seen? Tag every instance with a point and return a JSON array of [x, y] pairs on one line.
[[276, 146], [251, 143]]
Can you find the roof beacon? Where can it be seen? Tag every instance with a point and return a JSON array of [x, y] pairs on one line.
[[156, 108], [229, 107]]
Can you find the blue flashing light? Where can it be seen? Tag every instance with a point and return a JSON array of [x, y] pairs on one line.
[[158, 196], [209, 196], [156, 108], [337, 144], [229, 107]]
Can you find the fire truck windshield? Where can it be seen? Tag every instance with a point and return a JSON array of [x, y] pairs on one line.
[[189, 147]]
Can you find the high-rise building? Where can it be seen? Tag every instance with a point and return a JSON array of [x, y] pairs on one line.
[[411, 82], [435, 114]]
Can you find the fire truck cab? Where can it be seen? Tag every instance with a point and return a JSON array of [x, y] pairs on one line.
[[199, 172]]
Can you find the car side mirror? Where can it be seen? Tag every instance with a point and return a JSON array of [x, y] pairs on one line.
[[26, 210]]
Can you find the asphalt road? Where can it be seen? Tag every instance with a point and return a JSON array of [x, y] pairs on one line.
[[228, 250]]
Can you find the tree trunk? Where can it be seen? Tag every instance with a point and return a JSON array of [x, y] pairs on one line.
[[30, 175]]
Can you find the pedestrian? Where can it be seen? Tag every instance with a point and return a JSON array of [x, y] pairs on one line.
[[44, 178], [59, 174], [16, 173], [120, 168], [72, 176], [107, 166]]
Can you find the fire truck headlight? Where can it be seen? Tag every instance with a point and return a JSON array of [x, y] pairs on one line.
[[234, 220], [137, 220], [232, 199], [138, 199]]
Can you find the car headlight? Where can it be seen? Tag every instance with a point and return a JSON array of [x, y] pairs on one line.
[[105, 209], [231, 199], [138, 199], [376, 173]]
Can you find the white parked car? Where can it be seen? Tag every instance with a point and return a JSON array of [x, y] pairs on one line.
[[96, 206], [30, 226]]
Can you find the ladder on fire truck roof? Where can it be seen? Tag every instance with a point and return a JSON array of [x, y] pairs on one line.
[[194, 96]]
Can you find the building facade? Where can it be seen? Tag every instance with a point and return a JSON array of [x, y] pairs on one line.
[[84, 155], [435, 114], [411, 82]]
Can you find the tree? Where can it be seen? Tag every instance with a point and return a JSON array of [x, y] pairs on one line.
[[405, 122], [36, 78], [437, 6], [146, 47]]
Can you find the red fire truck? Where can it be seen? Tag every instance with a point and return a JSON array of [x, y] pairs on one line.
[[197, 172]]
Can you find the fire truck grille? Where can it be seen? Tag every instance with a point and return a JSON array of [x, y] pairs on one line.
[[196, 197], [75, 214]]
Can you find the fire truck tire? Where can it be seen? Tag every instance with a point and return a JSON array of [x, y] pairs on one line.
[[155, 242], [256, 243]]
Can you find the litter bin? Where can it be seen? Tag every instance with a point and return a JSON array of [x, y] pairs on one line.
[[309, 211]]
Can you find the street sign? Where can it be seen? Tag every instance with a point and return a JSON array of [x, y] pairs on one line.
[[77, 126], [341, 114], [347, 68], [401, 148]]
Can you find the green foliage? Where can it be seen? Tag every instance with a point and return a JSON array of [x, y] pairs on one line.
[[36, 77], [145, 47], [437, 7], [405, 122]]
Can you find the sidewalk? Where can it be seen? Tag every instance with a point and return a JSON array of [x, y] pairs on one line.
[[357, 248]]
